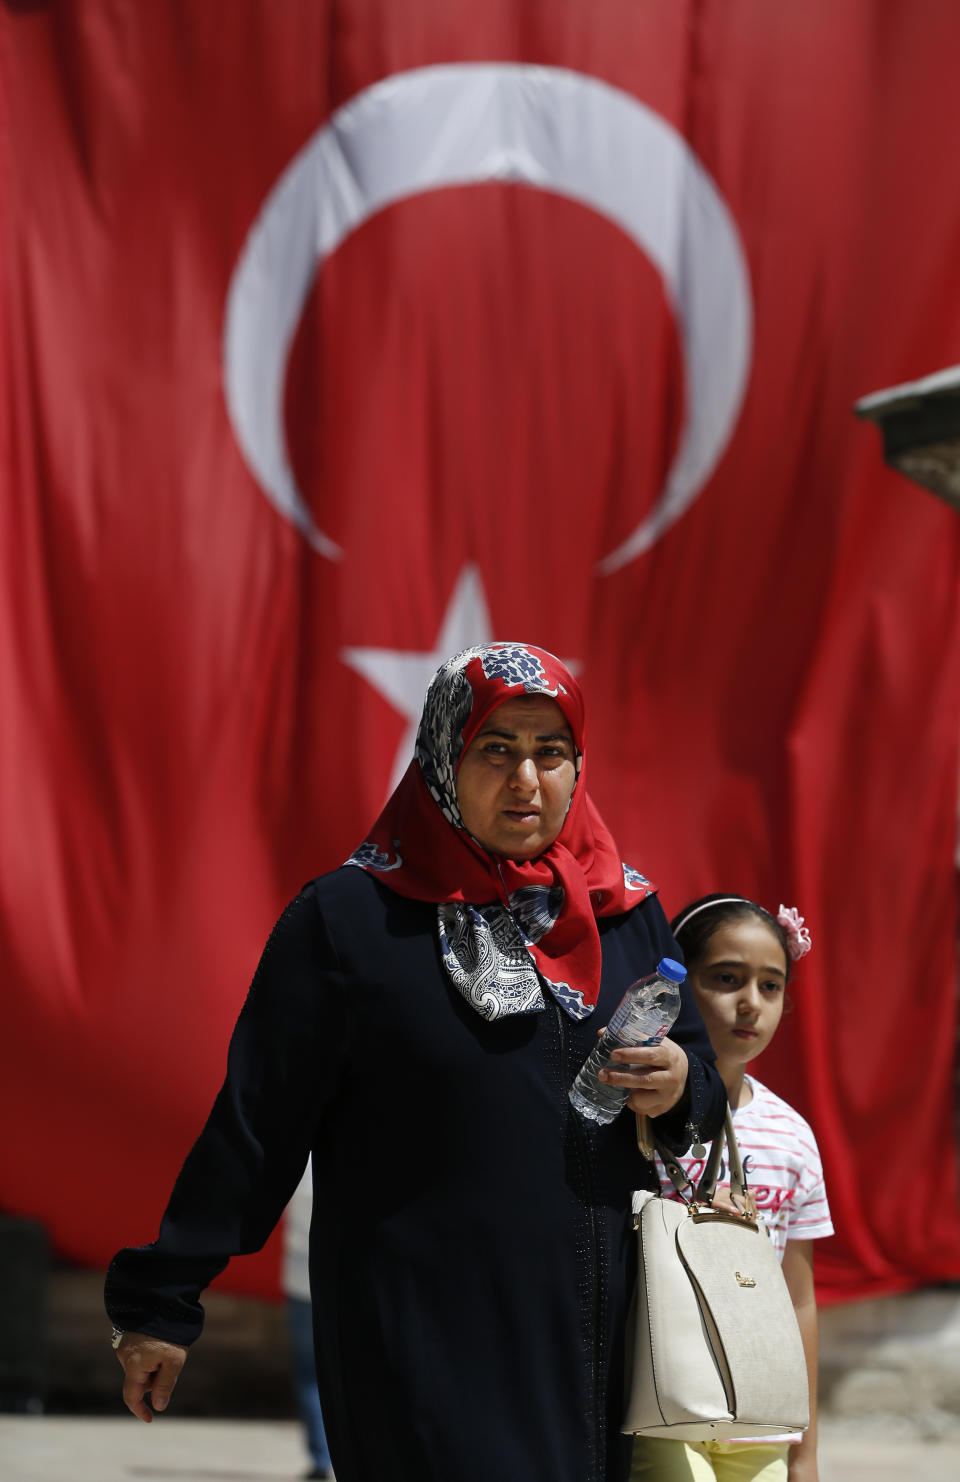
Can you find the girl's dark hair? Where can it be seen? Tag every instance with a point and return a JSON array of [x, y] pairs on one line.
[[711, 911]]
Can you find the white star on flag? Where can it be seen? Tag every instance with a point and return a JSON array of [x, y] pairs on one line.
[[402, 678]]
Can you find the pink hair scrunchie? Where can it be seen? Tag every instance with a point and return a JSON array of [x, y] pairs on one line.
[[798, 937]]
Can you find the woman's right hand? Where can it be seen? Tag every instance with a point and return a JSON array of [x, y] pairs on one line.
[[151, 1365]]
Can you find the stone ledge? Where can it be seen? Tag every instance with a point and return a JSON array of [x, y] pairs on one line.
[[239, 1368], [895, 1357]]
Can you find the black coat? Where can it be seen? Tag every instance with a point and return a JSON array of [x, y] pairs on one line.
[[470, 1252]]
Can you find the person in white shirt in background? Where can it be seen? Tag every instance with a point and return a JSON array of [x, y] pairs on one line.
[[296, 1285], [739, 958]]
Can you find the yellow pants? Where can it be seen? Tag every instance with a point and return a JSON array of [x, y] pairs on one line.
[[657, 1460]]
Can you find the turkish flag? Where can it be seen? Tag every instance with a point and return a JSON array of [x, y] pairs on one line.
[[335, 336]]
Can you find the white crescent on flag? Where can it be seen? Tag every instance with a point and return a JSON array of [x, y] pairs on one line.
[[452, 125]]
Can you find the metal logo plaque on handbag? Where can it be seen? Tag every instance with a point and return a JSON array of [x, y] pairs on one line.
[[715, 1347]]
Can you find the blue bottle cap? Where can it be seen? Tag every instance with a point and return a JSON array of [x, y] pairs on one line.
[[674, 972]]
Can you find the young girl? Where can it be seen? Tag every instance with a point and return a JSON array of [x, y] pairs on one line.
[[739, 958]]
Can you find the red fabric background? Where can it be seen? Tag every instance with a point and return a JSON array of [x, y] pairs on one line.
[[490, 375]]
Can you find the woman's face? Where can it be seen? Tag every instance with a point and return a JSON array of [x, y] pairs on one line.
[[516, 777], [739, 985]]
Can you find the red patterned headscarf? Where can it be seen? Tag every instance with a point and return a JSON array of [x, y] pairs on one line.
[[505, 926]]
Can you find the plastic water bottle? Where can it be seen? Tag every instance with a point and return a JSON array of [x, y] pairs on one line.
[[644, 1016]]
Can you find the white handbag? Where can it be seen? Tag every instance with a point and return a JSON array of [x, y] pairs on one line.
[[715, 1347]]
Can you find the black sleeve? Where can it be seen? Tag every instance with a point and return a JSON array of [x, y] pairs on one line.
[[284, 1064], [702, 1106]]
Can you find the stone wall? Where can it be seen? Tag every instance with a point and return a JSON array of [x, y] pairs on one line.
[[896, 1357]]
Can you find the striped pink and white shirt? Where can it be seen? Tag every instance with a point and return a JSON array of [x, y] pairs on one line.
[[782, 1167]]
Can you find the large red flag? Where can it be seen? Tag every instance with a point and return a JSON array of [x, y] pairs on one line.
[[337, 335]]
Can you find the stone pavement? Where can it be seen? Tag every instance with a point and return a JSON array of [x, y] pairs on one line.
[[121, 1449]]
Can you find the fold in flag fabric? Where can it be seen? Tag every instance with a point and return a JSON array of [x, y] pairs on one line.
[[337, 336]]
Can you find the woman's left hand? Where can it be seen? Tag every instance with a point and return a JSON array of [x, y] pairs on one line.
[[655, 1075]]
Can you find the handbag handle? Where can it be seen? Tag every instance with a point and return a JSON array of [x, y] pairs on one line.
[[707, 1187]]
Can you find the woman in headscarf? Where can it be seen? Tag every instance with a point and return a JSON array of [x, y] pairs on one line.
[[416, 1021]]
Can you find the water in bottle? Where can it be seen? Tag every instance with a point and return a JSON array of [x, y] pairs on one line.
[[644, 1016]]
